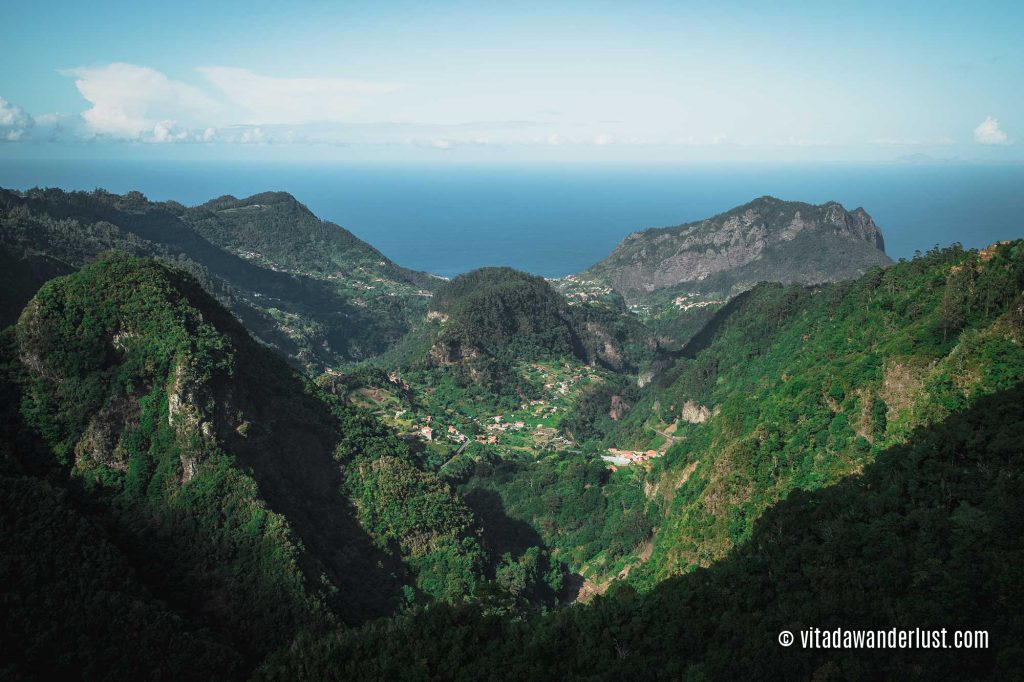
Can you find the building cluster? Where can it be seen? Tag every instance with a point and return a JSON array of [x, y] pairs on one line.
[[501, 425], [493, 426], [456, 434], [987, 253], [577, 290], [633, 456]]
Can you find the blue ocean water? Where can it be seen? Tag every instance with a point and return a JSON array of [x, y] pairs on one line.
[[556, 220]]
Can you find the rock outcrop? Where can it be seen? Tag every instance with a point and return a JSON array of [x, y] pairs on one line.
[[617, 407], [765, 240], [694, 413]]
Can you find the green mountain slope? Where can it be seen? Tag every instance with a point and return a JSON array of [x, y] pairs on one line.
[[501, 312], [793, 388], [482, 324], [247, 502], [309, 288], [786, 388], [841, 456], [925, 537], [275, 230]]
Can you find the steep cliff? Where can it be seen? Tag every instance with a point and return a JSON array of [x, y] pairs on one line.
[[765, 240]]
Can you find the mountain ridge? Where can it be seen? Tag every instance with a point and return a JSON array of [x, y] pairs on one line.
[[319, 294]]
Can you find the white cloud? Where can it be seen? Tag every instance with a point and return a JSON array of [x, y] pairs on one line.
[[14, 122], [267, 99], [989, 132], [137, 102], [603, 139]]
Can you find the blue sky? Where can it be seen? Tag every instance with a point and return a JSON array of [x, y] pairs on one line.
[[593, 81]]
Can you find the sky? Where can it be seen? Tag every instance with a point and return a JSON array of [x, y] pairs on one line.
[[925, 82]]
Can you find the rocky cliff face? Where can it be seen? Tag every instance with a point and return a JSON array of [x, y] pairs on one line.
[[765, 240]]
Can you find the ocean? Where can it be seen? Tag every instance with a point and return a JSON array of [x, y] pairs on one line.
[[556, 220]]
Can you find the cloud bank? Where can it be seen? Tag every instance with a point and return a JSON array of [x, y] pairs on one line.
[[228, 105], [221, 105], [136, 102]]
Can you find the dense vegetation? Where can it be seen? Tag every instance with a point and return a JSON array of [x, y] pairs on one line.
[[210, 469], [502, 312], [801, 387], [925, 537], [482, 325], [579, 513], [309, 288]]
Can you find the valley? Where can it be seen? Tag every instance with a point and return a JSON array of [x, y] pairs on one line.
[[280, 455]]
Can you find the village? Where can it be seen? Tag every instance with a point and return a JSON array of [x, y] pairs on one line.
[[446, 429], [620, 458], [533, 426], [578, 290], [690, 301], [446, 423]]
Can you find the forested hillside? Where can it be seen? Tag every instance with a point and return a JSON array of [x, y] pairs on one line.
[[225, 500], [274, 229], [792, 388], [785, 388], [307, 287], [482, 325], [845, 455], [925, 536]]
